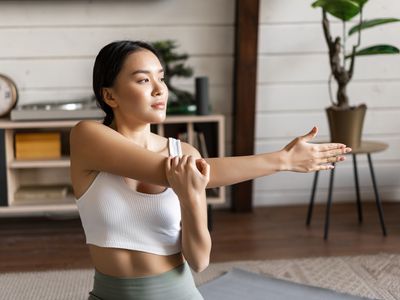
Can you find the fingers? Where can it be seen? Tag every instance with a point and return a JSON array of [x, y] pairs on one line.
[[203, 167], [334, 147], [324, 167], [309, 136], [182, 162], [332, 153], [331, 159], [206, 169], [168, 164]]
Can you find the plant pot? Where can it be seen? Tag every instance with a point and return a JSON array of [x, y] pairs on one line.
[[346, 124]]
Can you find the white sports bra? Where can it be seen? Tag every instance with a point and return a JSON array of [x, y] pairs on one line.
[[116, 216]]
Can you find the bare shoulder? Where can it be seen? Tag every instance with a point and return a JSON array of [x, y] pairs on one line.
[[188, 149], [86, 127]]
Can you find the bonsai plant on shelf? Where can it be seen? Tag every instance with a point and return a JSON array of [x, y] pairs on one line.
[[346, 121], [179, 101]]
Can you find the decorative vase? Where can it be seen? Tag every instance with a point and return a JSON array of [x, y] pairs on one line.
[[346, 125]]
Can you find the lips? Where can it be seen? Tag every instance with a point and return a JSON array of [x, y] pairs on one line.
[[158, 105]]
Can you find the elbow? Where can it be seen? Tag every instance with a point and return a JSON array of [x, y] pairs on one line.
[[200, 266]]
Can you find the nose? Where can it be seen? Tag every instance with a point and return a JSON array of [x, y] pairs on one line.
[[158, 88]]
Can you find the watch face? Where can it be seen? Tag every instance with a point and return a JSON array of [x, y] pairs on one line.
[[7, 95]]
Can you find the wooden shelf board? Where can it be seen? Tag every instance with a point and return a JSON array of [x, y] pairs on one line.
[[191, 119], [37, 209], [215, 200], [63, 162]]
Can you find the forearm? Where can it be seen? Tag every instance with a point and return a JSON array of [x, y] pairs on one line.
[[234, 169], [196, 240]]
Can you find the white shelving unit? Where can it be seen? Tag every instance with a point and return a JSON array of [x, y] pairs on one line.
[[56, 171]]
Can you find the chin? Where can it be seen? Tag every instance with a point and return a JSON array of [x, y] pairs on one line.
[[159, 118]]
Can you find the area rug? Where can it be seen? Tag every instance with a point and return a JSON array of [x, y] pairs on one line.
[[369, 276]]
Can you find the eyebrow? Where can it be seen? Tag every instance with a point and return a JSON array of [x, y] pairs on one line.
[[145, 71]]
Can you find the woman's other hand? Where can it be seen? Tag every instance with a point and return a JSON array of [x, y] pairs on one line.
[[187, 176], [302, 156]]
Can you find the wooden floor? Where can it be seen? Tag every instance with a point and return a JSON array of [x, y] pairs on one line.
[[267, 233]]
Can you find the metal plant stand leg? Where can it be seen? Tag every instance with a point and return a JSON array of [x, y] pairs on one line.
[[311, 205], [359, 208], [377, 199], [328, 205]]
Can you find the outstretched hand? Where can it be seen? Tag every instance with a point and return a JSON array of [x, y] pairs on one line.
[[303, 156]]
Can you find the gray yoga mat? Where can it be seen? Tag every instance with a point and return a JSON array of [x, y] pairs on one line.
[[238, 284]]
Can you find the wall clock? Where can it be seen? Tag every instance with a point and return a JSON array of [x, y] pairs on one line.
[[8, 95]]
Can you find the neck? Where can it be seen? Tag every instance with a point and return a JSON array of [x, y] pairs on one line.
[[139, 134]]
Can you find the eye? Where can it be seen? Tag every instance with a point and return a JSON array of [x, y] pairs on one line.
[[162, 79], [143, 80]]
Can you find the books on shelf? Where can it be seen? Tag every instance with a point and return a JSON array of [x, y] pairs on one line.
[[42, 194], [38, 145]]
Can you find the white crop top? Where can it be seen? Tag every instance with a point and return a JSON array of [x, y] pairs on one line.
[[116, 216]]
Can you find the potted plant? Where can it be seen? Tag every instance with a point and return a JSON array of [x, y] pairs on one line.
[[179, 101], [346, 121]]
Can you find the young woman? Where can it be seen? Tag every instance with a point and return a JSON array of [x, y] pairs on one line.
[[141, 196]]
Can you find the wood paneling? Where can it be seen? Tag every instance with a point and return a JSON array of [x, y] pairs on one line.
[[293, 11], [77, 72], [92, 13], [276, 125], [86, 41], [313, 96], [315, 68], [308, 37], [246, 38]]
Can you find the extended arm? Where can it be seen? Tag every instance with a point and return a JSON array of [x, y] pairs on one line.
[[298, 156], [99, 148]]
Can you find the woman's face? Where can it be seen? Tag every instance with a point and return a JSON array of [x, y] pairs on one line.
[[139, 91]]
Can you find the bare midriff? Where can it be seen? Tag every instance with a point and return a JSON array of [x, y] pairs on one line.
[[130, 263]]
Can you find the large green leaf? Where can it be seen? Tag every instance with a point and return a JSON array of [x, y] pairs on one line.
[[361, 3], [342, 9], [372, 23], [377, 49]]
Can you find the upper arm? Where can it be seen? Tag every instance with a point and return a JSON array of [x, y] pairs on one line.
[[188, 149], [96, 147]]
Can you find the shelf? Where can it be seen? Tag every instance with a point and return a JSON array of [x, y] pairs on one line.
[[30, 210], [19, 172], [215, 200], [48, 163], [8, 124]]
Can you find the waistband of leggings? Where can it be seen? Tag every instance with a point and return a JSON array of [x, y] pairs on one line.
[[172, 274]]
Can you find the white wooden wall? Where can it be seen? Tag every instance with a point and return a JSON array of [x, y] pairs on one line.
[[292, 94], [48, 47]]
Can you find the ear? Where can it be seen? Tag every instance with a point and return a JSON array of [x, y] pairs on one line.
[[109, 98]]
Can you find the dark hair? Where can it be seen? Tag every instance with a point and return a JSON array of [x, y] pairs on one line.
[[108, 64]]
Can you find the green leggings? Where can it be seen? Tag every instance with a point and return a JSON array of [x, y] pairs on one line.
[[176, 284]]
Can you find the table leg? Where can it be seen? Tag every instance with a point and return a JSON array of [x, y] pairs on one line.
[[311, 205], [377, 199], [360, 217], [328, 205]]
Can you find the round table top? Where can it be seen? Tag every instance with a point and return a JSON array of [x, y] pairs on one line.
[[367, 147], [370, 147]]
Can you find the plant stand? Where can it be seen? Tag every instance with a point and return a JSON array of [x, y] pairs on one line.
[[367, 147]]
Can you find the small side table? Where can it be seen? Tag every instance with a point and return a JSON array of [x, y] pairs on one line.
[[367, 147]]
